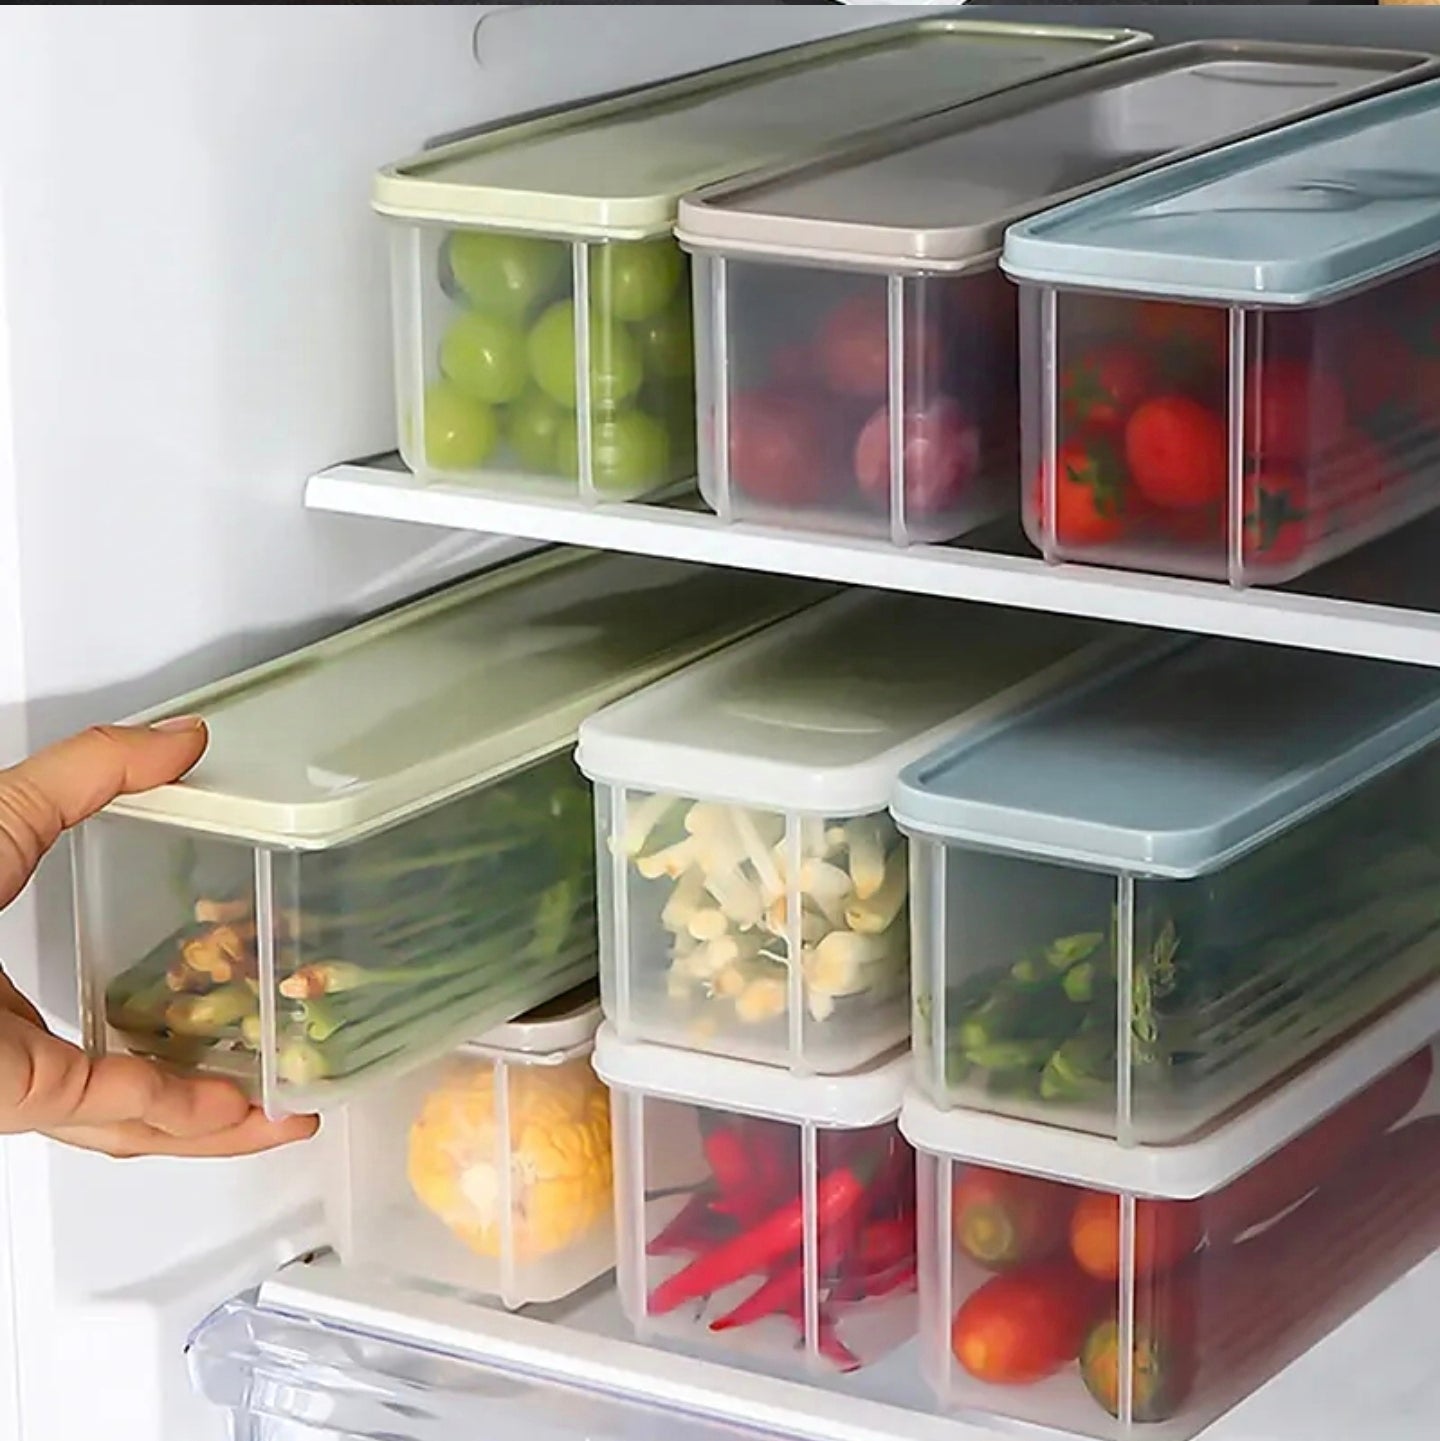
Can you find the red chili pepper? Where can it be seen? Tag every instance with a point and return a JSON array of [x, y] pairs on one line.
[[780, 1294], [885, 1243], [696, 1225], [831, 1347], [870, 1285], [725, 1155]]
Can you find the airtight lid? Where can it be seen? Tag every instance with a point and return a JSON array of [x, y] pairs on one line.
[[617, 167], [560, 1025], [1294, 218], [867, 1097], [434, 699], [820, 714], [1179, 766], [937, 193]]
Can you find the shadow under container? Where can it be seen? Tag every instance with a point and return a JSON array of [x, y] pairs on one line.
[[542, 313], [1231, 369], [387, 847], [857, 343], [754, 893], [487, 1172], [1145, 901], [758, 1213], [1069, 1282]]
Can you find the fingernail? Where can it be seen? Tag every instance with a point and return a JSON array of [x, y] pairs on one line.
[[179, 723]]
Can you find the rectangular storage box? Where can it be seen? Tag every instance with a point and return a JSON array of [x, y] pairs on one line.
[[542, 308], [387, 846], [1231, 369], [761, 1213], [487, 1171], [1119, 1293], [858, 367], [1143, 902], [753, 890]]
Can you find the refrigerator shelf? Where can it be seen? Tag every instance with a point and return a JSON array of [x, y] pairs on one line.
[[1382, 601]]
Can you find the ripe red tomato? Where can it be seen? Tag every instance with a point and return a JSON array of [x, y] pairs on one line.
[[1099, 390], [941, 456], [1190, 336], [1293, 409], [1277, 517], [1092, 506], [1025, 1325], [853, 348], [1177, 452], [777, 447]]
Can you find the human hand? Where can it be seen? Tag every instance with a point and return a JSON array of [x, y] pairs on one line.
[[121, 1105]]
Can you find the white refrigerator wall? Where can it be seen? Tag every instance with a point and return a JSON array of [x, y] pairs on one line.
[[193, 317]]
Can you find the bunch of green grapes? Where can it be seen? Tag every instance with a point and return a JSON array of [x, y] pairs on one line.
[[507, 387]]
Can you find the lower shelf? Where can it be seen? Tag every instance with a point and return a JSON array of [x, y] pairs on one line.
[[1375, 1376]]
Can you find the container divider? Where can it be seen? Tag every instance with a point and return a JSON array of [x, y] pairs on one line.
[[1125, 1362], [809, 1164], [794, 943], [509, 1289], [269, 981], [895, 401], [1047, 324], [1125, 1008], [1235, 401], [584, 419], [719, 429]]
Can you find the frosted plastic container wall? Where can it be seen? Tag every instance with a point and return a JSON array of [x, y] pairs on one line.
[[1245, 401], [857, 344], [487, 1172], [387, 847], [542, 309], [753, 890], [1139, 906], [693, 1178], [1121, 1314]]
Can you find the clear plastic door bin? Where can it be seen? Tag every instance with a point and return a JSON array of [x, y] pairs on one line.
[[753, 889], [387, 846], [1231, 369], [1143, 902], [542, 307], [857, 342], [764, 1214]]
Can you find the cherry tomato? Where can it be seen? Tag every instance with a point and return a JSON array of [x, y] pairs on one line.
[[1099, 390], [1177, 451], [853, 348], [1091, 501], [941, 456], [1166, 1232], [1164, 1347], [1277, 517], [1189, 337], [1004, 1219], [1293, 409], [1025, 1325], [777, 447]]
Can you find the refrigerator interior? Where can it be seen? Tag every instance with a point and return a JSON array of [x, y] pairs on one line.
[[193, 319]]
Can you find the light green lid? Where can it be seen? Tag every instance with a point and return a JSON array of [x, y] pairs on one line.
[[617, 168], [356, 732]]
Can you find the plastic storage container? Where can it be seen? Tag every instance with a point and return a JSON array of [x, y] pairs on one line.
[[1232, 367], [760, 1212], [754, 892], [1123, 1293], [487, 1171], [542, 308], [387, 846], [1143, 902], [857, 343]]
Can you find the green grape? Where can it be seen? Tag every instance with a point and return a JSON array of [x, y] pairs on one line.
[[534, 430], [633, 280], [630, 452], [460, 432], [484, 356], [505, 274], [667, 342], [615, 369]]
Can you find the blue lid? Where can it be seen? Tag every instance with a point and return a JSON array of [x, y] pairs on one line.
[[1179, 766], [1295, 217]]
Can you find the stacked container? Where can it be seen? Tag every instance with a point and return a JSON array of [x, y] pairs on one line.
[[489, 1170], [856, 340], [753, 891], [542, 308], [1232, 368], [387, 846]]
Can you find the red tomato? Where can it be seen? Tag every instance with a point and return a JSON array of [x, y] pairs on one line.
[[1091, 503], [1190, 336], [1166, 1232], [1277, 517], [1177, 452], [853, 348], [1099, 390], [1349, 485], [941, 456], [1293, 409], [1025, 1325], [1375, 368], [1004, 1219], [777, 447]]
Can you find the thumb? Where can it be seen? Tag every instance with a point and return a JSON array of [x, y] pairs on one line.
[[66, 783]]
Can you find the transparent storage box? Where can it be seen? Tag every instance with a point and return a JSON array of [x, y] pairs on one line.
[[760, 1213], [857, 343], [542, 308], [1231, 367], [387, 846], [1144, 901], [1119, 1293], [488, 1171], [753, 890]]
